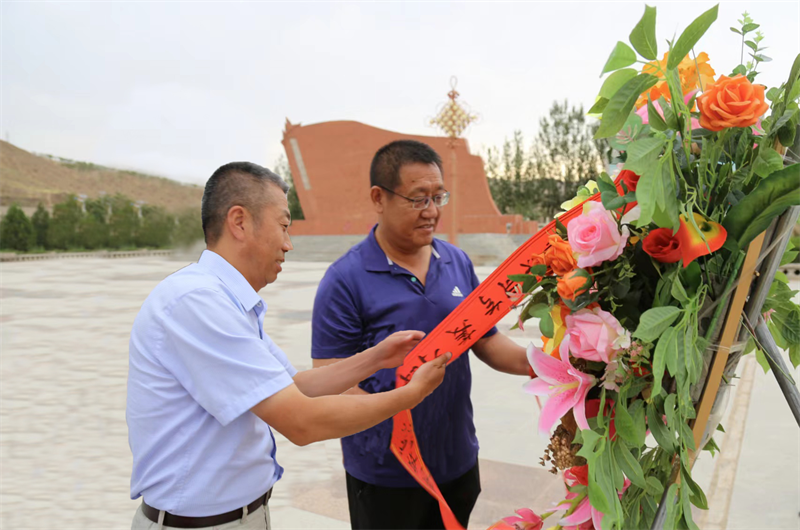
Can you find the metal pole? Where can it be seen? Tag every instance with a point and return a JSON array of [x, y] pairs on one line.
[[775, 360]]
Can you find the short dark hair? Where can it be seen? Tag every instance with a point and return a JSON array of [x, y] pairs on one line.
[[386, 164], [235, 184]]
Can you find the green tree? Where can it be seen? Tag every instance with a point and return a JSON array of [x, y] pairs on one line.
[[41, 223], [94, 228], [534, 182], [123, 223], [16, 230], [566, 155], [188, 228], [64, 232], [283, 170], [157, 228]]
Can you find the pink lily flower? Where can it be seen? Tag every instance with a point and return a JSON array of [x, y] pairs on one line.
[[565, 386], [642, 112], [527, 520], [585, 512]]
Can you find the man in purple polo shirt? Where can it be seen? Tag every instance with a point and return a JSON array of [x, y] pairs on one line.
[[398, 278]]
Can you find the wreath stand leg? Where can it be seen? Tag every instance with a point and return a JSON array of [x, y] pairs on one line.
[[730, 332]]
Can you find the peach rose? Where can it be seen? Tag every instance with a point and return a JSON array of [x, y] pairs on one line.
[[731, 102], [559, 256]]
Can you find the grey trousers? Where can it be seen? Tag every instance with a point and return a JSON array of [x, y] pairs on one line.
[[258, 520]]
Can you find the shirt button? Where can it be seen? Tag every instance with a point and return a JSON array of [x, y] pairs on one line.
[[413, 279], [260, 304]]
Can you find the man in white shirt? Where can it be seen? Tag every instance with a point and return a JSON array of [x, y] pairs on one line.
[[206, 382]]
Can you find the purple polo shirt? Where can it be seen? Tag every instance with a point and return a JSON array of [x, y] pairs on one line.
[[363, 298]]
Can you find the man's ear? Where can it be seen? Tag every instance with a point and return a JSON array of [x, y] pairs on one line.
[[378, 198], [236, 222]]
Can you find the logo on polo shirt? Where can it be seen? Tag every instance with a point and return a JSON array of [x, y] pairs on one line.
[[457, 292]]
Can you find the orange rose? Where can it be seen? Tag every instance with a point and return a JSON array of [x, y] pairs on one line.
[[538, 259], [573, 284], [731, 102], [559, 256]]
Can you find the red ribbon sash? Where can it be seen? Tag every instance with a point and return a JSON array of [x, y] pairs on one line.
[[473, 318]]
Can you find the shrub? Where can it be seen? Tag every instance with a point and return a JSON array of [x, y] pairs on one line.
[[16, 230]]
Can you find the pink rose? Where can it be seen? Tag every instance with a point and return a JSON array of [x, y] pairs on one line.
[[594, 236], [595, 335]]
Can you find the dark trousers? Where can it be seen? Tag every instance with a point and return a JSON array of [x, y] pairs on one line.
[[377, 507]]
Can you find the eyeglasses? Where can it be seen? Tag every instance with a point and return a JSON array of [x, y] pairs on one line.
[[424, 202]]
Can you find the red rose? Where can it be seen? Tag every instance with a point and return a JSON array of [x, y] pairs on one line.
[[662, 245], [630, 179]]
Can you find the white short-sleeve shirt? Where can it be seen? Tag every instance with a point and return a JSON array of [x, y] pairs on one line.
[[199, 361]]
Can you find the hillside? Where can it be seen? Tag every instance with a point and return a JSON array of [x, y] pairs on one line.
[[27, 179]]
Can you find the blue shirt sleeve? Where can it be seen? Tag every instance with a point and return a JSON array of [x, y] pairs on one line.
[[336, 330], [217, 355]]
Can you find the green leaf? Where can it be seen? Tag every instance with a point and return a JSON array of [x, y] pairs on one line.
[[789, 324], [669, 115], [546, 326], [747, 28], [773, 93], [636, 410], [690, 36], [697, 496], [678, 292], [660, 432], [596, 496], [673, 510], [593, 445], [687, 436], [624, 423], [654, 117], [621, 103], [693, 355], [620, 57], [753, 214], [605, 184], [614, 203], [654, 488], [794, 354], [643, 36], [642, 154], [598, 106], [736, 31], [669, 410], [615, 81], [739, 70], [539, 310], [538, 270], [664, 354], [788, 131], [761, 359], [655, 321], [792, 81], [657, 195], [668, 346], [752, 45]]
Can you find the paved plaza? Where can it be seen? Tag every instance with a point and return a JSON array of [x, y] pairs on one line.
[[64, 456]]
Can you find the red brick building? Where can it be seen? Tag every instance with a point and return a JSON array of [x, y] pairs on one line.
[[330, 166]]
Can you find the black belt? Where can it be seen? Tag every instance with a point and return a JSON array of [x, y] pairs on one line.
[[179, 521]]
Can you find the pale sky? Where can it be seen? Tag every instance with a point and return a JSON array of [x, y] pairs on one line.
[[180, 88]]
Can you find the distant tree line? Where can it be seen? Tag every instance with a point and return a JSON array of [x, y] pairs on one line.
[[110, 222], [534, 180]]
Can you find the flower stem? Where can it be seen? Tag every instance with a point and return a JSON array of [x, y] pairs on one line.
[[724, 296]]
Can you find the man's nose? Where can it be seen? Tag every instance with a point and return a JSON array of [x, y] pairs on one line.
[[287, 245], [431, 210]]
